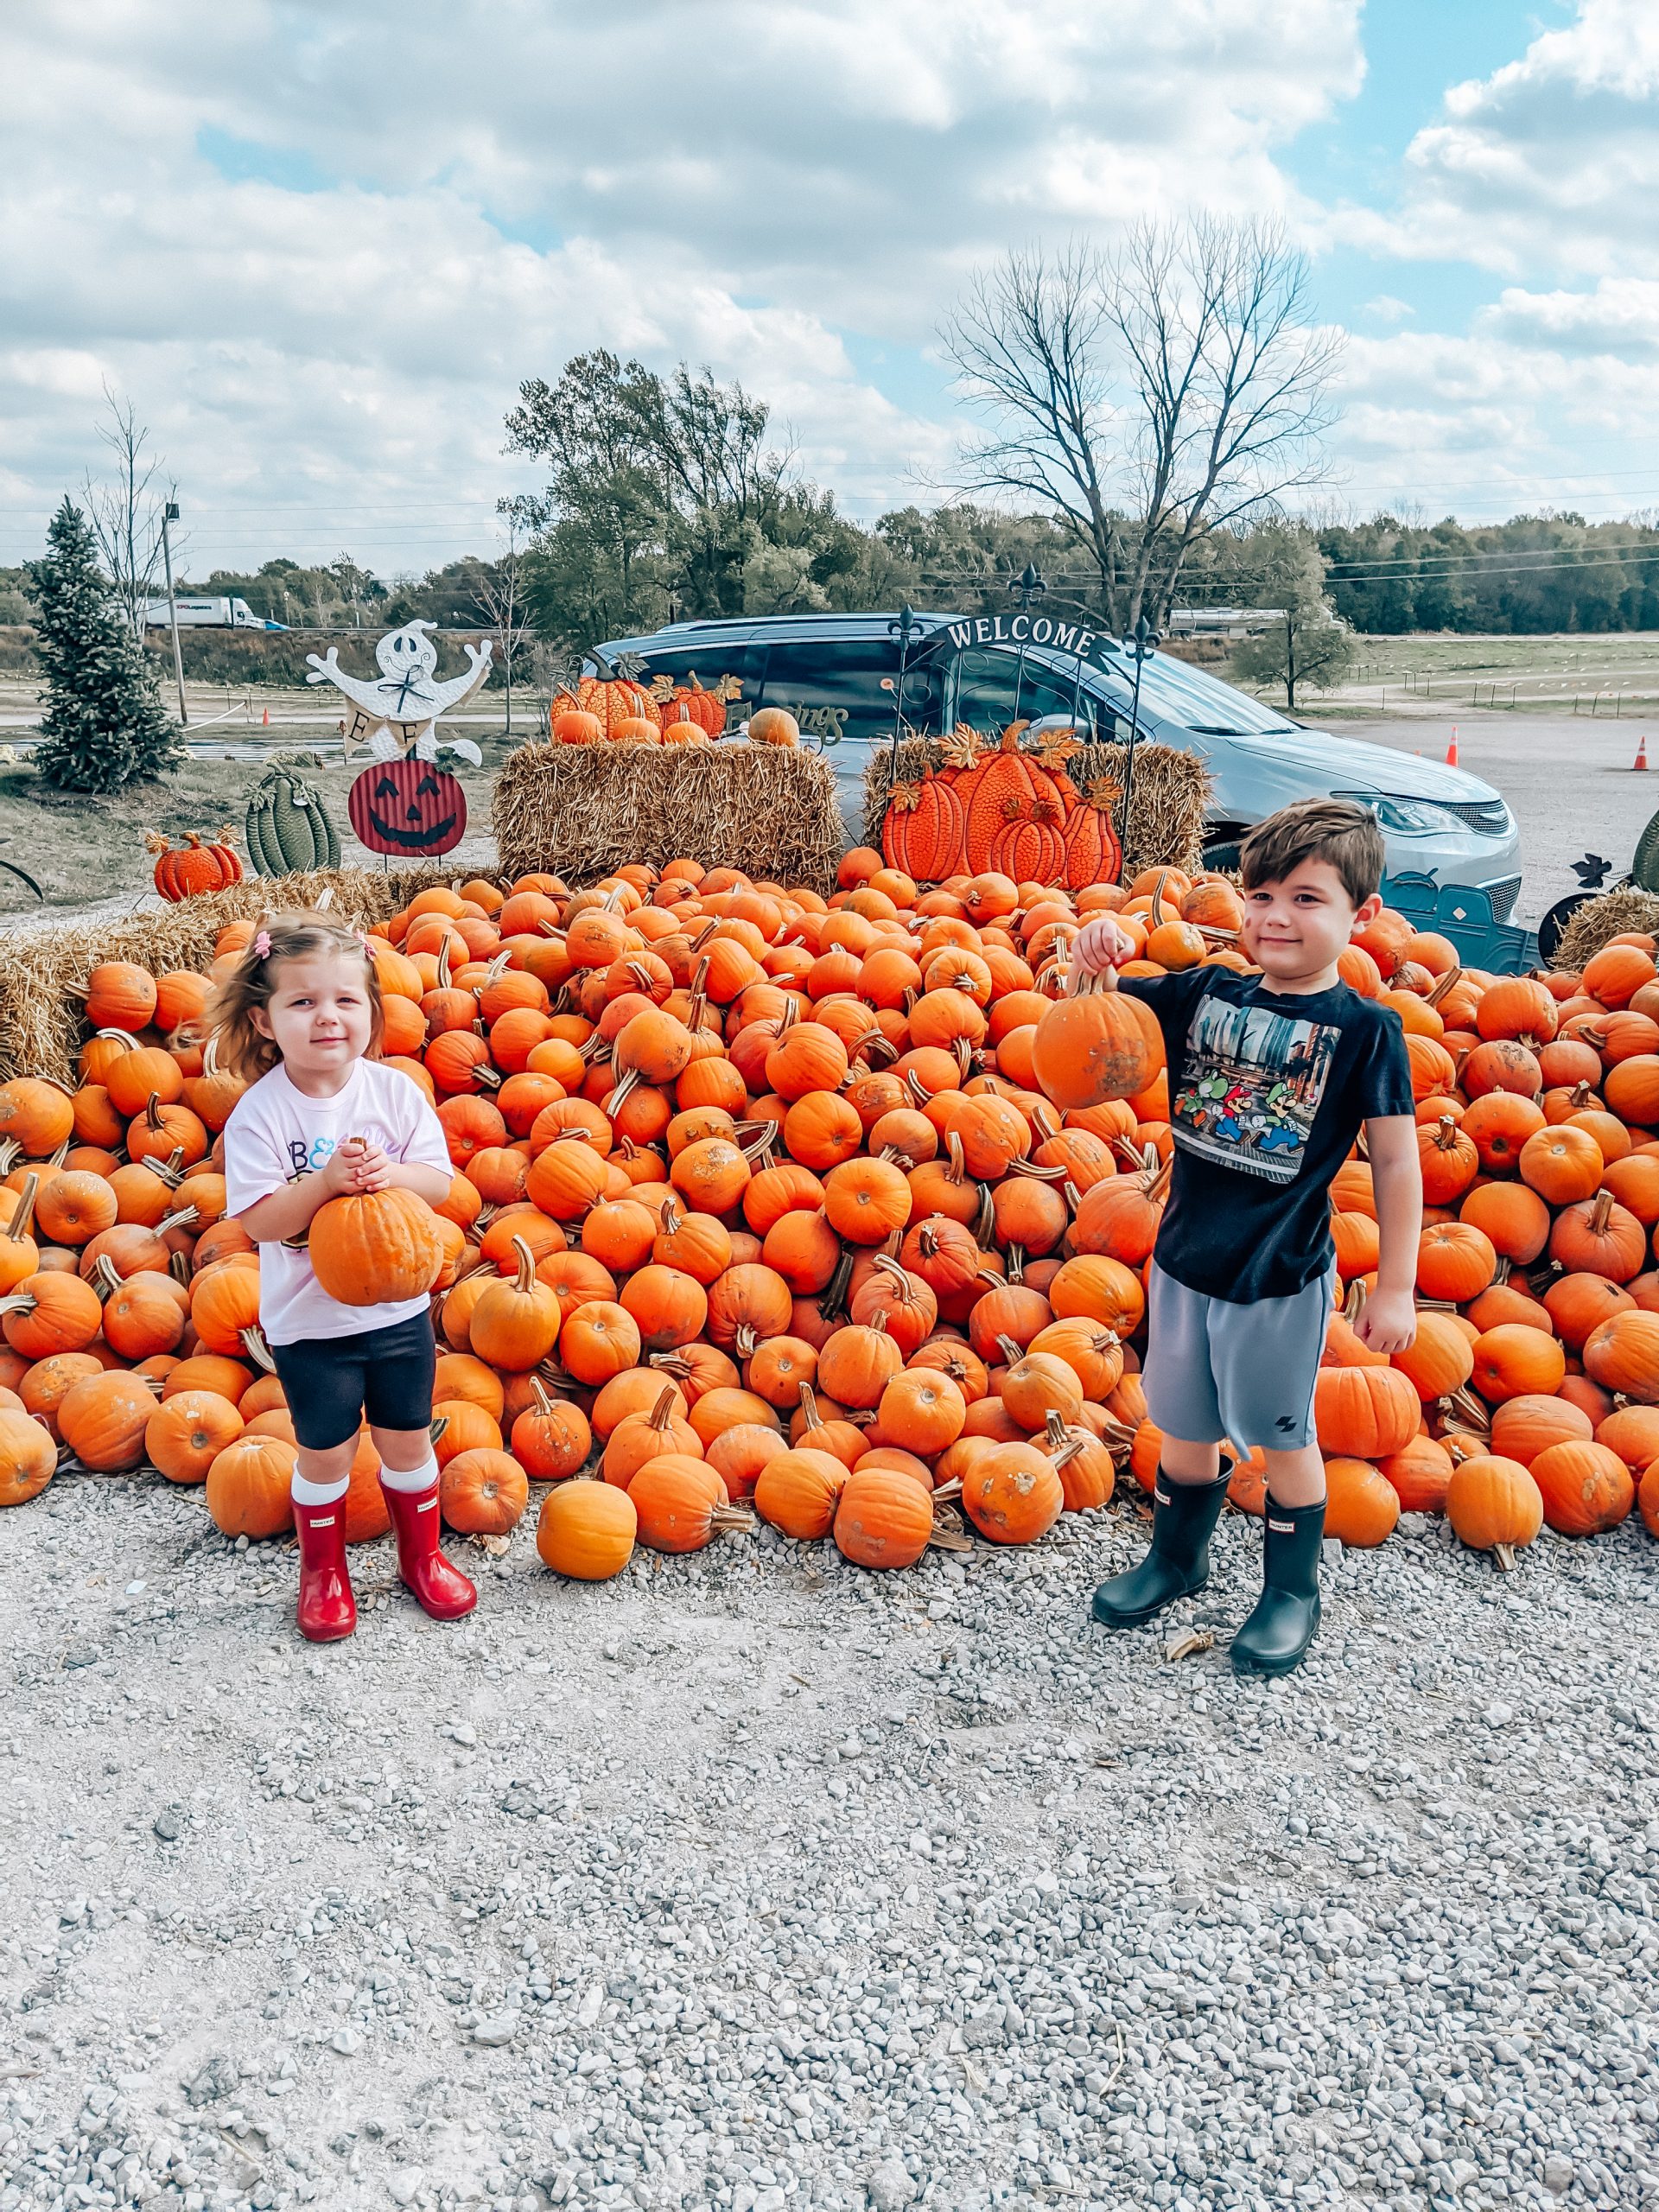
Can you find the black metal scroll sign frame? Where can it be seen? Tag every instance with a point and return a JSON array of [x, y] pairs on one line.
[[1099, 649]]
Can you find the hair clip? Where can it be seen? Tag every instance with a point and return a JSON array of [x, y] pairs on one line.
[[262, 944]]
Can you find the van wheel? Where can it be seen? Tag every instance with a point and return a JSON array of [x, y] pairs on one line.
[[1224, 855]]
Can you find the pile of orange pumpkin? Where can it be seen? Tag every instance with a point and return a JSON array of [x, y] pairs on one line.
[[617, 711], [759, 1209]]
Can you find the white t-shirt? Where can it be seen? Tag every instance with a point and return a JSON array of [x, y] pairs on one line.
[[274, 1135]]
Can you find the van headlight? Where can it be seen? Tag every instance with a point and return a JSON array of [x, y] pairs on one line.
[[1417, 817]]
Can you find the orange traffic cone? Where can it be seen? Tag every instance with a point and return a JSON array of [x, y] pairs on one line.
[[267, 723], [1641, 760], [1451, 749]]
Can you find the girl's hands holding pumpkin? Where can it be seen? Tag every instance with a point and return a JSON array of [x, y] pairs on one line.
[[338, 1174], [374, 1171], [356, 1167], [1101, 947]]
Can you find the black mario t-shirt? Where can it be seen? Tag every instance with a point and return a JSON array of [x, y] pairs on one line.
[[1266, 1094]]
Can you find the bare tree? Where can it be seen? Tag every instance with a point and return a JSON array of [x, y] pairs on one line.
[[501, 592], [1148, 397], [126, 513]]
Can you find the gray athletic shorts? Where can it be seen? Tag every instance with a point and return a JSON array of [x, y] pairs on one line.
[[1214, 1368]]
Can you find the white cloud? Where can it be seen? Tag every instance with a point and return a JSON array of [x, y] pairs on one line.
[[1494, 421], [320, 248], [1551, 162]]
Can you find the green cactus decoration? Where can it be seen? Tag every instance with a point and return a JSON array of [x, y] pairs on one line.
[[286, 829]]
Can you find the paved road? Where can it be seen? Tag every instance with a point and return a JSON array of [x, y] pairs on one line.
[[1567, 779]]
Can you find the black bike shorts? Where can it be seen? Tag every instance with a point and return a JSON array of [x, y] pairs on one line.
[[333, 1383]]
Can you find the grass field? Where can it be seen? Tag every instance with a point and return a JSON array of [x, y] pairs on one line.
[[1427, 673], [82, 848]]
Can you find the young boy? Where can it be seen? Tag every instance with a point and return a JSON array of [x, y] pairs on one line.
[[1271, 1076]]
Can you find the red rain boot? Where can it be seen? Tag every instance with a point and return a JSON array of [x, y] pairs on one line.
[[441, 1590], [327, 1610]]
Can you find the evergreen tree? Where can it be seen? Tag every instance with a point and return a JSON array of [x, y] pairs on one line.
[[104, 724]]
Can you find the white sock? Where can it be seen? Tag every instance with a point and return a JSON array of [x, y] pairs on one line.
[[411, 1478], [306, 1492]]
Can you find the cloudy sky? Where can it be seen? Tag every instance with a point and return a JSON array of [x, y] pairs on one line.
[[320, 245]]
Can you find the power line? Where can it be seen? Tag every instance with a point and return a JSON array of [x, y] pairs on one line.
[[1349, 572]]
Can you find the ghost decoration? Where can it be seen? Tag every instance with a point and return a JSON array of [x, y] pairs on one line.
[[394, 715]]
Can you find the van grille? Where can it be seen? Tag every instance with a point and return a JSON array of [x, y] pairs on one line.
[[1502, 895], [1489, 816]]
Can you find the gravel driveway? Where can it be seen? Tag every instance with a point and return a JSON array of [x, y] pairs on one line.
[[1568, 778], [751, 1881]]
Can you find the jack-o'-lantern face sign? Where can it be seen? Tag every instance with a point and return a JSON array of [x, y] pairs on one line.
[[407, 806]]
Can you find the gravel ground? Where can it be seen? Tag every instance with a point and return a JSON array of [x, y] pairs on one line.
[[1568, 778], [749, 1881]]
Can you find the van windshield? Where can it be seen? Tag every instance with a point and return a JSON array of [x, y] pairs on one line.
[[1174, 692]]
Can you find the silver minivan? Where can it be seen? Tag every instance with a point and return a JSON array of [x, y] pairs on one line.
[[839, 674]]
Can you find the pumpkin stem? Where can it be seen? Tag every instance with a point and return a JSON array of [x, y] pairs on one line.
[[1601, 1213], [527, 1281], [662, 1413], [744, 1341], [833, 1303], [1010, 1350], [1504, 1558], [105, 1276], [985, 1226], [253, 1343], [730, 1518], [24, 1212]]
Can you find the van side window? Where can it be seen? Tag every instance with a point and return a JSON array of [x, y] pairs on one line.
[[993, 690], [833, 686], [709, 663]]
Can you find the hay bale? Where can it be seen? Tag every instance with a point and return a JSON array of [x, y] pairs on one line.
[[1170, 789], [41, 1023], [1603, 919], [581, 811]]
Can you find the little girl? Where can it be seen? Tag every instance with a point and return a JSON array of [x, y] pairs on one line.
[[298, 1018]]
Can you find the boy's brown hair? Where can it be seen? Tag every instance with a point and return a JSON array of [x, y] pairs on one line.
[[241, 1048], [1332, 830]]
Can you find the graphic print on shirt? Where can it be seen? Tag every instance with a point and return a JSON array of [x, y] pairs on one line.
[[1251, 1082]]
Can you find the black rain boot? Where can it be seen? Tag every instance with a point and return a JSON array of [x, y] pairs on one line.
[[1285, 1617], [1183, 1517]]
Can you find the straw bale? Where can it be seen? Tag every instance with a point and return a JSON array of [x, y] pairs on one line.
[[1170, 789], [1602, 919], [42, 1022], [581, 811]]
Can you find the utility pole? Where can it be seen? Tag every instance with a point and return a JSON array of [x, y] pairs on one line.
[[170, 513]]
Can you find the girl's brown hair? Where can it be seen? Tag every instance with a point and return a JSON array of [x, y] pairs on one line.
[[239, 1044]]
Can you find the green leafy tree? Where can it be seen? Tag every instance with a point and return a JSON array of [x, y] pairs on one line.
[[104, 725], [1309, 646], [664, 501]]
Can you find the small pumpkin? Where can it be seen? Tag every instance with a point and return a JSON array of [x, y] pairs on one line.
[[586, 1531], [29, 1458], [1493, 1504]]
